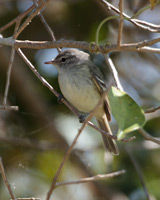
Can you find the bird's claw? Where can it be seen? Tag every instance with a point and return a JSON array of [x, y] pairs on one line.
[[60, 98], [82, 118]]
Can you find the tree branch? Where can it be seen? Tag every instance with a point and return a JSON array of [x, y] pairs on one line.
[[149, 137], [18, 18], [120, 29], [14, 108], [47, 27], [92, 47], [91, 179], [42, 4], [2, 171], [151, 110], [139, 23], [114, 72]]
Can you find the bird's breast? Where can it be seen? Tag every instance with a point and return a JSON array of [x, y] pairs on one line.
[[80, 91]]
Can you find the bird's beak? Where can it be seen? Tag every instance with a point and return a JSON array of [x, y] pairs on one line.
[[50, 62]]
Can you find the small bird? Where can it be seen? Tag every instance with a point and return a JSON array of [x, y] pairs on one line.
[[82, 84]]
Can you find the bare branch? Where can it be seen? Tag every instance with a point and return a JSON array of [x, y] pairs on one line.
[[10, 66], [114, 72], [2, 171], [151, 110], [138, 47], [30, 198], [114, 137], [120, 30], [18, 18], [140, 23], [91, 179], [149, 137], [32, 15], [8, 76], [47, 27], [14, 108], [128, 139]]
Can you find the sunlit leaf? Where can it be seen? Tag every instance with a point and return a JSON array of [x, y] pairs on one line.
[[125, 110]]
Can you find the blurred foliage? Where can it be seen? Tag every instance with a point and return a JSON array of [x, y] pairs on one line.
[[30, 169]]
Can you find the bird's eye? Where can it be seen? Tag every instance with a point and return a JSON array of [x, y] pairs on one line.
[[63, 59]]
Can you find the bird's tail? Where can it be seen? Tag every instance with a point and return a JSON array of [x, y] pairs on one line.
[[109, 143]]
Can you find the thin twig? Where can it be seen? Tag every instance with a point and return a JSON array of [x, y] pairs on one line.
[[114, 72], [32, 15], [8, 76], [89, 117], [10, 66], [120, 30], [114, 137], [47, 27], [151, 110], [140, 23], [128, 139], [149, 137], [2, 171], [14, 108], [91, 179], [19, 17], [30, 198], [139, 172]]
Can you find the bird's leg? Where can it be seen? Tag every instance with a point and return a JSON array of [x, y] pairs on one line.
[[60, 98], [82, 118]]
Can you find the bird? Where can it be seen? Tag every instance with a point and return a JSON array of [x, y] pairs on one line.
[[82, 84]]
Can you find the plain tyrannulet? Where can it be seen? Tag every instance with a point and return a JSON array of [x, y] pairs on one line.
[[82, 84]]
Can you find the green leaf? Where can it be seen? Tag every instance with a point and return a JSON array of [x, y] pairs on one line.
[[125, 110]]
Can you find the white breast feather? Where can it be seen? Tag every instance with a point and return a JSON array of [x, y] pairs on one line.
[[81, 94]]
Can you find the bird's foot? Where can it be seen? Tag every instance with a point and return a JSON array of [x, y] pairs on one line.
[[60, 98], [82, 118]]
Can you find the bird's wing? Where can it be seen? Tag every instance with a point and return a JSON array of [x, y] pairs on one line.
[[100, 85]]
